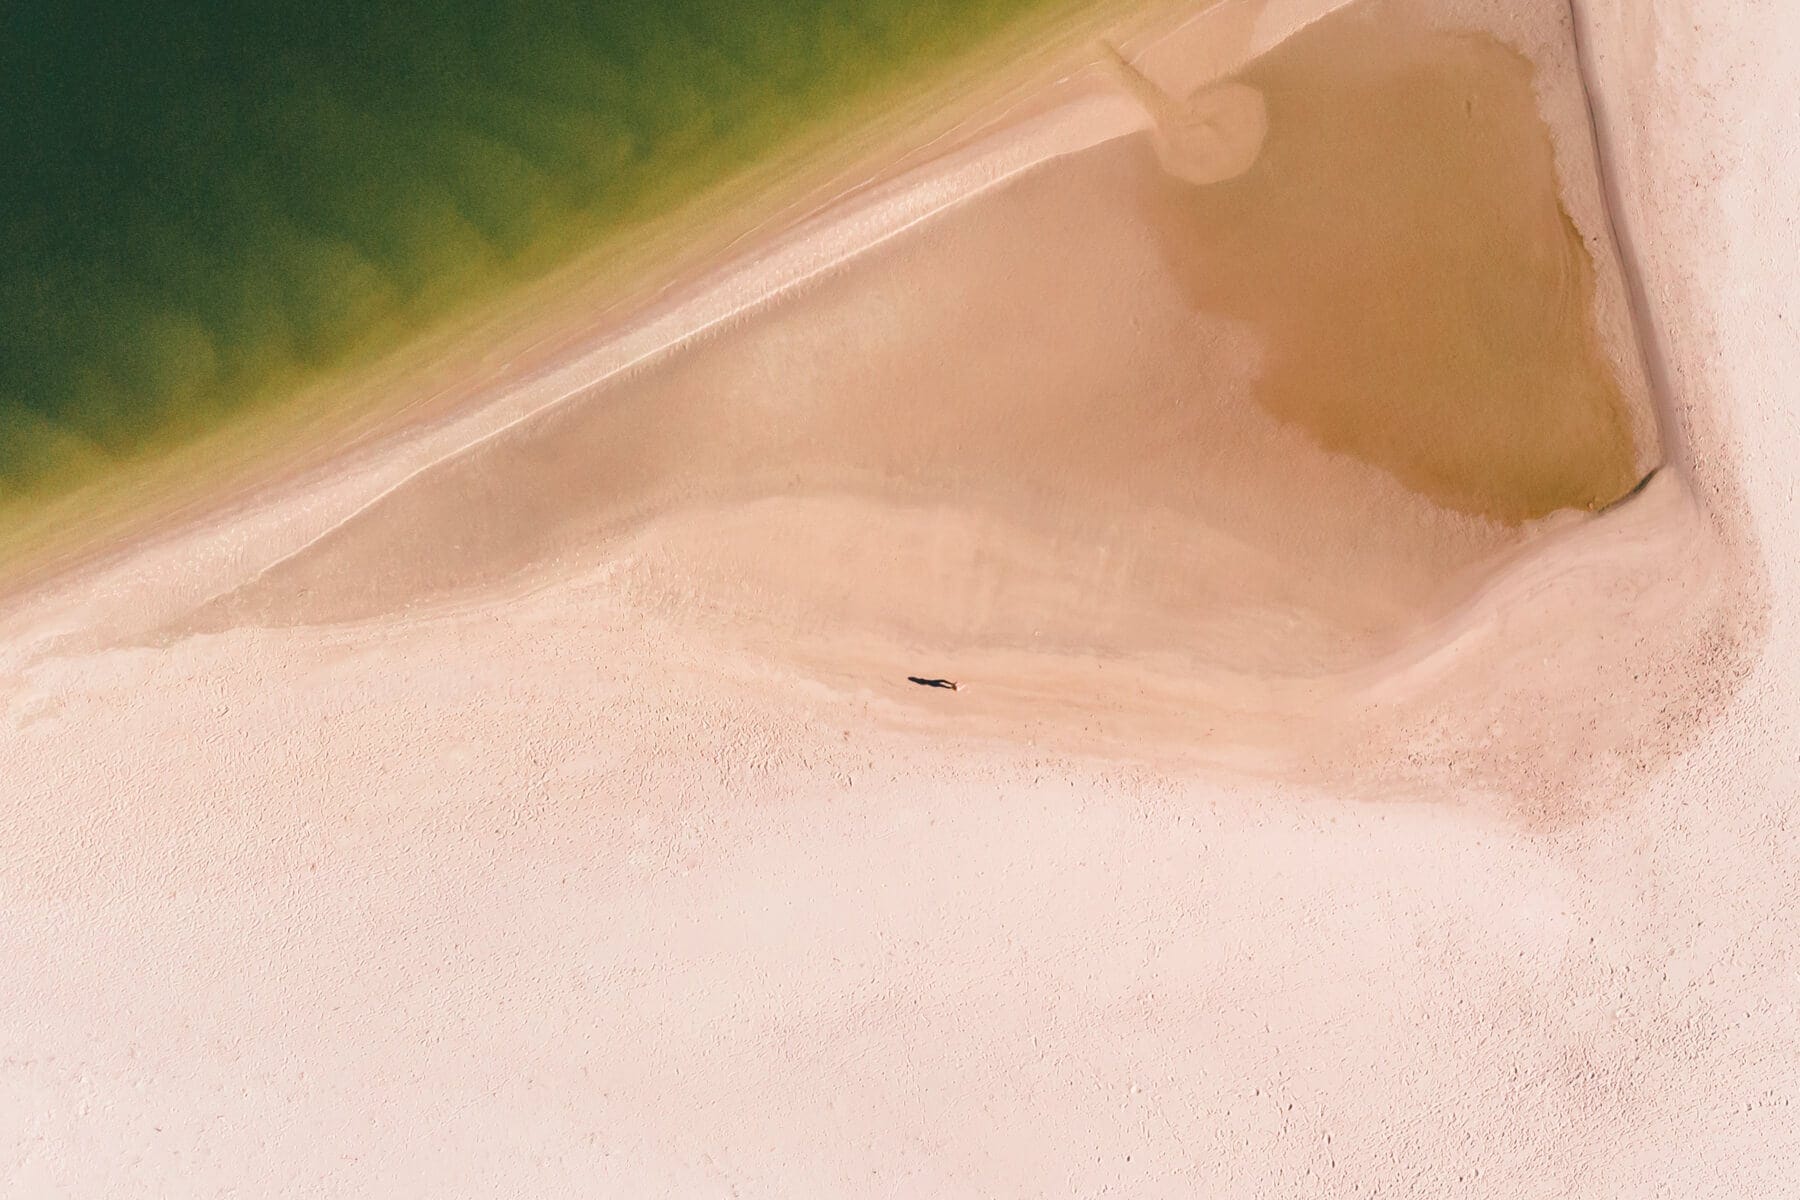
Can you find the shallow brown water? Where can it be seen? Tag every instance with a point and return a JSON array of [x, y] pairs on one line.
[[1424, 301]]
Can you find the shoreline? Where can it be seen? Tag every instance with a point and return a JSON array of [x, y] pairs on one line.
[[578, 304]]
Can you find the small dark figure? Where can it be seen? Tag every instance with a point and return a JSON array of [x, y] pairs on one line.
[[937, 683]]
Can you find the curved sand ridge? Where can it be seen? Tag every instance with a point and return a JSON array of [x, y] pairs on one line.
[[1187, 466]]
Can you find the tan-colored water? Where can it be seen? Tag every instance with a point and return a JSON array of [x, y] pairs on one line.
[[1424, 301]]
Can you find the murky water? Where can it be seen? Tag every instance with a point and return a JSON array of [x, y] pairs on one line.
[[1424, 302]]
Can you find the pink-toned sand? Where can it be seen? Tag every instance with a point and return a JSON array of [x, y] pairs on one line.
[[534, 802]]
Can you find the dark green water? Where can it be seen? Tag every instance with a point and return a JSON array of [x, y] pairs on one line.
[[203, 205]]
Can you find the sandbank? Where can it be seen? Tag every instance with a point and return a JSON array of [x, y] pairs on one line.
[[534, 799]]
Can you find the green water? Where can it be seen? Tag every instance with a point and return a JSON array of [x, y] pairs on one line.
[[204, 205]]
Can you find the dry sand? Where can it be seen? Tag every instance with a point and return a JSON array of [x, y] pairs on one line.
[[535, 803]]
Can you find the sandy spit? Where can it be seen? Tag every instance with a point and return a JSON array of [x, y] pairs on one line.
[[343, 855]]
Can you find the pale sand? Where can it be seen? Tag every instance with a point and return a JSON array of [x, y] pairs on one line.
[[359, 845]]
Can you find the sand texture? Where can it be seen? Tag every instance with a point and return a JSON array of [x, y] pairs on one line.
[[1349, 477]]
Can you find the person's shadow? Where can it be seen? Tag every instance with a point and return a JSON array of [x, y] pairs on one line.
[[936, 683]]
